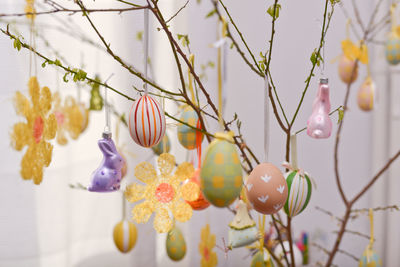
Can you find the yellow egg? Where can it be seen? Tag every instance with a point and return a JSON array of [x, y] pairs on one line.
[[125, 235], [175, 244], [221, 173], [347, 73], [366, 95]]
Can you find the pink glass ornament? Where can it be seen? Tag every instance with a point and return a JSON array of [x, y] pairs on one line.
[[319, 125], [107, 177]]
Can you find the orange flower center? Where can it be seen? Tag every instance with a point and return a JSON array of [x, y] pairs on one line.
[[164, 192], [38, 127], [206, 253], [60, 118]]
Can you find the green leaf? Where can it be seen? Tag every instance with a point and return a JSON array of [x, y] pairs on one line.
[[17, 44], [340, 114], [211, 13], [57, 62], [65, 77], [271, 10], [184, 39]]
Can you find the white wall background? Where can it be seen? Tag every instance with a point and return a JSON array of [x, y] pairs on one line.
[[52, 225]]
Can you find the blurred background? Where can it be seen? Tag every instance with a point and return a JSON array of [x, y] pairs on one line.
[[54, 225]]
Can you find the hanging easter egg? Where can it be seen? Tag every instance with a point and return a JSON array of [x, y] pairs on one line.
[[366, 95], [299, 192], [221, 173], [262, 260], [176, 245], [298, 257], [347, 73], [200, 203], [107, 177], [96, 100], [146, 121], [125, 235], [393, 48], [242, 230], [159, 148], [124, 168], [186, 134], [266, 188], [370, 259]]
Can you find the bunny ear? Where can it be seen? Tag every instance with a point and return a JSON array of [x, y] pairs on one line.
[[107, 147]]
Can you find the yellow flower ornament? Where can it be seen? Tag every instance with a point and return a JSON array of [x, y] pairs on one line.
[[39, 128], [164, 193], [353, 52], [71, 117], [207, 243]]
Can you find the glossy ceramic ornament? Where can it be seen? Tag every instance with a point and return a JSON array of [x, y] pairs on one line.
[[366, 95], [266, 189], [242, 230], [262, 260], [175, 244], [96, 100], [146, 121], [221, 172], [187, 135], [107, 177], [125, 235], [392, 48], [347, 73], [298, 257], [200, 203], [159, 148], [299, 188], [319, 124]]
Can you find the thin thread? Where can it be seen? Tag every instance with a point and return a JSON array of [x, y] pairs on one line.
[[266, 118], [107, 107], [146, 46]]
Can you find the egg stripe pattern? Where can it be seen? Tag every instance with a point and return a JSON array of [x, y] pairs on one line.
[[299, 193], [125, 236], [146, 122]]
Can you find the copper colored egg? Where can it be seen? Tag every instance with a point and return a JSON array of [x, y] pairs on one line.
[[200, 203], [346, 69], [266, 188]]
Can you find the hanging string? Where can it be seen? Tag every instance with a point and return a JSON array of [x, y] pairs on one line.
[[220, 78], [146, 46], [198, 144], [348, 29], [293, 147], [261, 227], [123, 207], [371, 222], [393, 17], [107, 107], [266, 118]]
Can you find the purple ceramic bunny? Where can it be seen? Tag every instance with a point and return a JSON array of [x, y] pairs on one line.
[[319, 125], [107, 177]]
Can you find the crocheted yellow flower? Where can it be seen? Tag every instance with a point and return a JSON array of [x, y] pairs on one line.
[[71, 118], [164, 193], [29, 8], [207, 243], [40, 126]]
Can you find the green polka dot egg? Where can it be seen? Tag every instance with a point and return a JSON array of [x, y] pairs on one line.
[[186, 134], [393, 49], [221, 172], [175, 244], [299, 189], [159, 148], [262, 260]]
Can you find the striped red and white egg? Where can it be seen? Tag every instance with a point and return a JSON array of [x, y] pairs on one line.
[[146, 121]]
